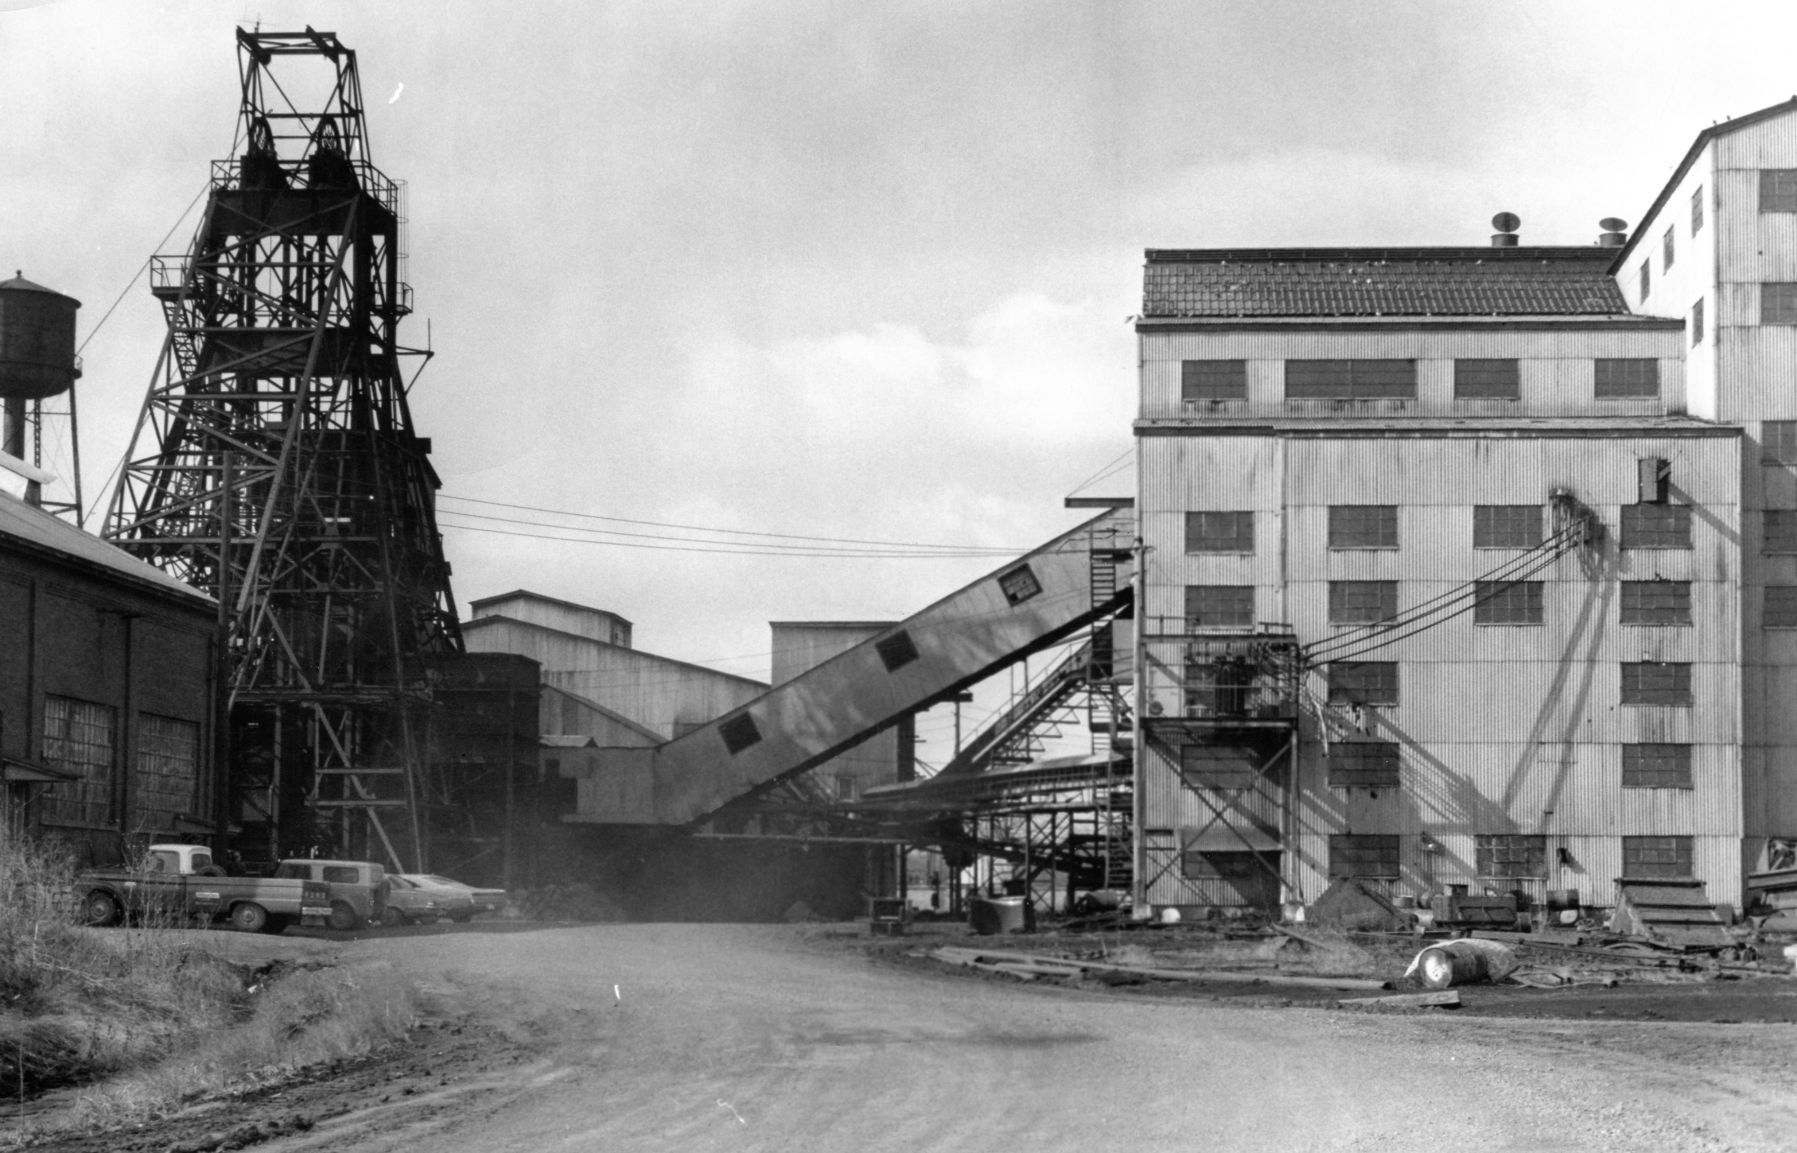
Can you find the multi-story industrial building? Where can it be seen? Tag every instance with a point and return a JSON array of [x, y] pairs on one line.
[[1476, 567]]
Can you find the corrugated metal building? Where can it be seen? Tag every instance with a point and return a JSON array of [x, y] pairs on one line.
[[1476, 567]]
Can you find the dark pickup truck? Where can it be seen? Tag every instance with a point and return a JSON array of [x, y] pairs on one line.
[[182, 884]]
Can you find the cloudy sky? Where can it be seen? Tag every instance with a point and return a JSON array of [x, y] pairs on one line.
[[856, 270]]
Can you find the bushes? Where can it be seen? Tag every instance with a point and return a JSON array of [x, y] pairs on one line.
[[151, 1009]]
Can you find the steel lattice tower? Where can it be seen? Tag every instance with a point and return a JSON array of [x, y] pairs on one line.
[[275, 466]]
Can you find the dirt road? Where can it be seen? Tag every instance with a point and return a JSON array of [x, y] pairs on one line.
[[736, 1037]]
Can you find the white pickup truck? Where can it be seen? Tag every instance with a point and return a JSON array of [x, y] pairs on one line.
[[183, 883]]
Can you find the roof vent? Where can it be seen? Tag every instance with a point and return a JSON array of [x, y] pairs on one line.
[[1506, 224], [1615, 232]]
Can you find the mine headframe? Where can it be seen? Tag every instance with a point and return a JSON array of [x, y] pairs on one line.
[[275, 466]]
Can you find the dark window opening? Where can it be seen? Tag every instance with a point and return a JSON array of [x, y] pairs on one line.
[[1780, 610], [1506, 525], [1778, 442], [1214, 606], [1363, 526], [1507, 603], [1019, 585], [1697, 211], [1778, 303], [1697, 322], [1363, 683], [1219, 532], [1620, 377], [1656, 526], [1364, 765], [1656, 683], [1510, 856], [896, 651], [1657, 856], [1780, 526], [1488, 379], [1213, 380], [1363, 855], [1350, 379], [1219, 766], [1656, 603], [1362, 602], [739, 732], [1656, 766], [1778, 190], [1646, 279]]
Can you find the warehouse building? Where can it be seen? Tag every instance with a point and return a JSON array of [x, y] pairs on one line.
[[107, 692], [1475, 569]]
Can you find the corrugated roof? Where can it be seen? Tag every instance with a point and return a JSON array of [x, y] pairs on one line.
[[1380, 282], [39, 530]]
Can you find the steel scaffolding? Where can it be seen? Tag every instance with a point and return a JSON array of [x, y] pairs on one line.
[[276, 467]]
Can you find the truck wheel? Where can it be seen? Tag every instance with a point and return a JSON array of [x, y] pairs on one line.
[[343, 917], [101, 909], [249, 917], [392, 918]]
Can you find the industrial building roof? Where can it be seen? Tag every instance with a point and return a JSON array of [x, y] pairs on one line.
[[1328, 282], [43, 533]]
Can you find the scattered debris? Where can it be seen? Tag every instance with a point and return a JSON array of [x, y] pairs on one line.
[[1017, 964], [1465, 961], [1444, 999]]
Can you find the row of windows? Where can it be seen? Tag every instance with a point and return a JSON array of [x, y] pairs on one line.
[[1360, 602], [1376, 765], [1507, 526], [1504, 856], [82, 738], [1373, 379], [1354, 683]]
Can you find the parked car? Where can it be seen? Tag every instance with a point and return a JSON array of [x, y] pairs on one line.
[[182, 882], [358, 888], [409, 903], [479, 900]]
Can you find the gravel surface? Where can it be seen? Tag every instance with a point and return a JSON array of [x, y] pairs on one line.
[[760, 1037]]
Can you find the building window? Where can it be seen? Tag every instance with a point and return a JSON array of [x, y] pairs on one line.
[[847, 787], [168, 770], [1349, 379], [1656, 683], [1778, 302], [1646, 279], [1362, 602], [1019, 585], [1364, 765], [1506, 525], [1219, 532], [1216, 606], [1697, 211], [1656, 857], [1510, 856], [1486, 379], [1780, 531], [1218, 766], [1778, 190], [1656, 526], [739, 733], [1666, 250], [1780, 608], [1363, 526], [1210, 865], [1627, 376], [1656, 766], [81, 737], [1507, 603], [1363, 682], [1213, 380], [1656, 603], [1778, 442], [1697, 322], [1370, 856], [896, 651]]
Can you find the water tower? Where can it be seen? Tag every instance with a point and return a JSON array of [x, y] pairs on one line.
[[37, 363]]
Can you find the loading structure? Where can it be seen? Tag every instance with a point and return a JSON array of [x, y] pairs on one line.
[[275, 466], [1078, 583]]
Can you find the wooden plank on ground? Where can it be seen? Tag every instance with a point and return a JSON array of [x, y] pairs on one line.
[[1446, 998]]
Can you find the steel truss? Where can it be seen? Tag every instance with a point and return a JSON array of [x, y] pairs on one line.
[[275, 466]]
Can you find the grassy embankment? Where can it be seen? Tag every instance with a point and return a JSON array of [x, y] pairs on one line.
[[144, 1017]]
